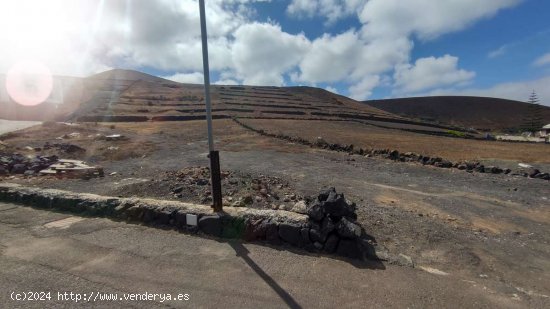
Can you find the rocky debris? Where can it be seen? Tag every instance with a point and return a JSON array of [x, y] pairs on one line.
[[64, 147], [115, 137], [405, 260], [192, 184], [395, 155], [28, 165], [72, 169], [300, 207]]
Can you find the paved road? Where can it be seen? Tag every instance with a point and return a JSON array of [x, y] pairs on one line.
[[56, 252], [8, 125]]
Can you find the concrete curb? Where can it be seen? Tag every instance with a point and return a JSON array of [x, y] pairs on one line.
[[233, 223], [270, 226]]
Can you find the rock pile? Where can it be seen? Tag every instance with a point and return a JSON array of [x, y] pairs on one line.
[[64, 147], [239, 189], [331, 228], [19, 164]]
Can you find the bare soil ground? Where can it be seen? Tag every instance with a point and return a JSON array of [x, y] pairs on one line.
[[367, 136], [490, 231]]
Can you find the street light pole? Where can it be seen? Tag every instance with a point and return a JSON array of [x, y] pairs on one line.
[[215, 173]]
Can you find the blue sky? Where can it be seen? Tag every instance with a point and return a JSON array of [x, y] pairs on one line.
[[499, 49], [363, 49]]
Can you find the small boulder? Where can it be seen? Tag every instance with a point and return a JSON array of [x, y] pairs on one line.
[[300, 207], [291, 233], [305, 236], [479, 168], [180, 218], [316, 235], [18, 169], [210, 225], [331, 244], [336, 205], [272, 233], [405, 260], [315, 212], [347, 229], [323, 195]]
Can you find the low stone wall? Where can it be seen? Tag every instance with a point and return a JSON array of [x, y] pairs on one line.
[[328, 227], [395, 155]]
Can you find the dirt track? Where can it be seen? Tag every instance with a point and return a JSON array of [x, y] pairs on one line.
[[487, 229]]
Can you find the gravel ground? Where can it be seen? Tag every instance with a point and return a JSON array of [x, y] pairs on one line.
[[493, 228]]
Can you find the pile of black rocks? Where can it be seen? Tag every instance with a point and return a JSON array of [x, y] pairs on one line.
[[331, 228], [19, 164], [333, 225]]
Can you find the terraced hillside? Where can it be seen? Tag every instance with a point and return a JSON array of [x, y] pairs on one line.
[[124, 95], [121, 93], [133, 96]]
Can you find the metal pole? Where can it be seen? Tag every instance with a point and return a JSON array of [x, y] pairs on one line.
[[215, 174]]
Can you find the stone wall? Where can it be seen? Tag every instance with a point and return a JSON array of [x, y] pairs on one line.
[[395, 155], [329, 226]]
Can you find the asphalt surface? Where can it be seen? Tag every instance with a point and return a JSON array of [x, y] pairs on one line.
[[43, 251]]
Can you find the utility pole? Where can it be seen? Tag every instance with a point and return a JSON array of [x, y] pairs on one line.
[[215, 173]]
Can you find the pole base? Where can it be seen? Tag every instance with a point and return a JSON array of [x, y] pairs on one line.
[[216, 180]]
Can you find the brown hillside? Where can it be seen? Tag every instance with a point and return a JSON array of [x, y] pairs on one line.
[[125, 95], [482, 113]]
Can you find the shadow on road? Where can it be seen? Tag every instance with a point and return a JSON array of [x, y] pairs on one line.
[[243, 253]]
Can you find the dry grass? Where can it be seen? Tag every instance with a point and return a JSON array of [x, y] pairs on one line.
[[373, 137]]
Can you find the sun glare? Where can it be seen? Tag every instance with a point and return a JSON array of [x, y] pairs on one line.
[[38, 36], [29, 83]]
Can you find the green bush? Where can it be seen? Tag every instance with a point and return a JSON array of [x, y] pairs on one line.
[[456, 133]]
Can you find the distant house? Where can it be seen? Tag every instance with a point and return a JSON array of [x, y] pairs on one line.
[[545, 133]]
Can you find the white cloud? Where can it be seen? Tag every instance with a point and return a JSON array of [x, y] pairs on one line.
[[498, 52], [350, 58], [429, 73], [426, 18], [87, 36], [363, 90], [83, 37], [542, 60], [187, 78], [519, 91], [385, 41], [333, 10], [331, 89], [330, 58], [263, 53]]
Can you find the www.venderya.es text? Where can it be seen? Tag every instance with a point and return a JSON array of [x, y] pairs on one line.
[[94, 296]]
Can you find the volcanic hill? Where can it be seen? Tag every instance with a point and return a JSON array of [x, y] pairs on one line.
[[481, 113], [125, 95]]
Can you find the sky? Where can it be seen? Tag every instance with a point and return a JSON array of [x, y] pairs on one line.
[[365, 49]]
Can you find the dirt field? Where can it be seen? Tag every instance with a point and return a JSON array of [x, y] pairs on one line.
[[366, 136], [491, 231]]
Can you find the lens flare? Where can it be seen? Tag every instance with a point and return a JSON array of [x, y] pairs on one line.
[[29, 83]]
